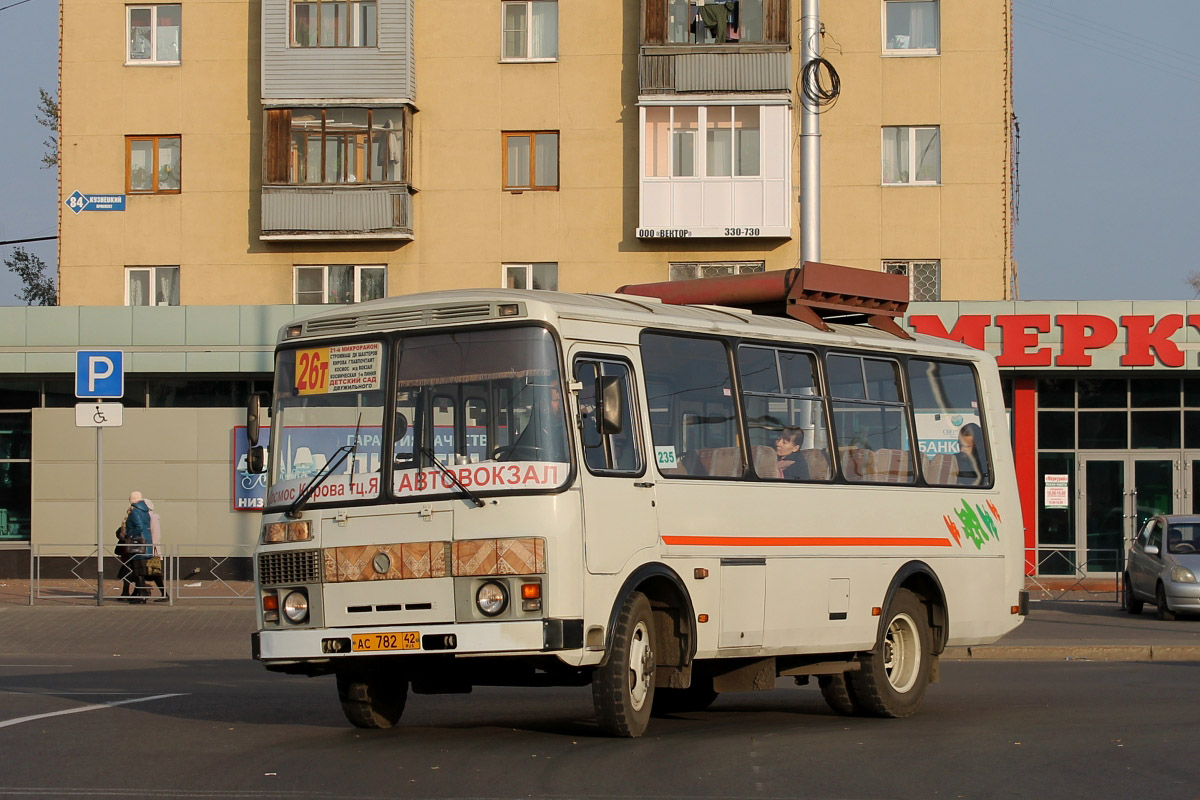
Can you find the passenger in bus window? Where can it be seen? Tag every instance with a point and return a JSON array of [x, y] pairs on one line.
[[787, 446], [972, 461]]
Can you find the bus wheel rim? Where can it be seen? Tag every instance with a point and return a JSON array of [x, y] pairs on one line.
[[641, 665], [902, 653]]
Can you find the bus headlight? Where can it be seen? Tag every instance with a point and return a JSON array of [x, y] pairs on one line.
[[1182, 575], [492, 599], [295, 607]]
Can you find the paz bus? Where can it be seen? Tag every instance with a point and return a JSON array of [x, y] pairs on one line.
[[664, 493]]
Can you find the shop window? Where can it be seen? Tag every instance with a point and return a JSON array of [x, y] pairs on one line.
[[153, 34], [688, 270], [1191, 430], [1154, 429], [910, 27], [530, 30], [14, 500], [531, 276], [924, 278], [530, 161], [183, 393], [1056, 524], [912, 156], [334, 23], [1103, 430], [15, 435], [336, 145], [19, 394], [152, 164], [1056, 430], [1154, 393], [1103, 393], [152, 286], [340, 283], [1056, 393]]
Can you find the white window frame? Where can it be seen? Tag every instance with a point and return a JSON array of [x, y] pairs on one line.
[[900, 266], [153, 271], [528, 272], [912, 155], [528, 4], [153, 60], [903, 52], [358, 269], [354, 31]]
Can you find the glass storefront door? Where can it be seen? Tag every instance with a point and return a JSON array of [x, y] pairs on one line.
[[1115, 495]]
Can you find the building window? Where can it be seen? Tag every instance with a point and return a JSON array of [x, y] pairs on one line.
[[700, 22], [336, 145], [732, 141], [334, 23], [530, 30], [912, 156], [340, 283], [688, 270], [153, 34], [152, 286], [531, 276], [924, 278], [910, 27], [531, 160], [151, 164]]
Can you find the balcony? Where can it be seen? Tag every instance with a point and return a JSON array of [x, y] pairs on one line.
[[667, 69], [336, 212]]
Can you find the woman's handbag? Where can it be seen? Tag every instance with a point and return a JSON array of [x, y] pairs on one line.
[[153, 566]]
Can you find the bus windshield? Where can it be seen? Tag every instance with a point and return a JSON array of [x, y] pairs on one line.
[[486, 403], [329, 403]]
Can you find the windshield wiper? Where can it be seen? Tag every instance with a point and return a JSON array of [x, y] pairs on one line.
[[432, 456], [339, 456]]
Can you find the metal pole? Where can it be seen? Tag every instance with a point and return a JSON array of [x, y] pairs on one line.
[[99, 516], [810, 137]]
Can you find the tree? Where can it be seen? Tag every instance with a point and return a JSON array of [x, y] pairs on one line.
[[38, 287], [47, 116], [1193, 282]]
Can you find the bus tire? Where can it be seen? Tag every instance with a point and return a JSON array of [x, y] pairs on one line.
[[839, 695], [891, 680], [697, 697], [372, 702], [623, 688]]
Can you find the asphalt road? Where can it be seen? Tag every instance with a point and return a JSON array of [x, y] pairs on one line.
[[221, 727]]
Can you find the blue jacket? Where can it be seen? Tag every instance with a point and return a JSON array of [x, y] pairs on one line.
[[137, 526]]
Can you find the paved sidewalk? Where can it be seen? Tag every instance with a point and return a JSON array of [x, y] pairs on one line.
[[1092, 627]]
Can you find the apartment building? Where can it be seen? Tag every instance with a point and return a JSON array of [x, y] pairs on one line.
[[317, 151]]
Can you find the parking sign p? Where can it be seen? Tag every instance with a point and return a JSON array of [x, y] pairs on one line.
[[99, 374]]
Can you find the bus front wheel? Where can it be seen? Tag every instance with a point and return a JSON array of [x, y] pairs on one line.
[[623, 688], [892, 679], [371, 701]]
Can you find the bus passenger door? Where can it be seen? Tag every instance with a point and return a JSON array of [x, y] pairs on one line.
[[618, 499]]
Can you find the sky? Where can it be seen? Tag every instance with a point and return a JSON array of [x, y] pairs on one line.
[[1106, 92]]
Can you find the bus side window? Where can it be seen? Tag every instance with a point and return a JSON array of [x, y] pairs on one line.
[[870, 422], [691, 378], [950, 424], [614, 452]]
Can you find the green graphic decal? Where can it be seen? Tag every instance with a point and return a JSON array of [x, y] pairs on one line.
[[978, 524]]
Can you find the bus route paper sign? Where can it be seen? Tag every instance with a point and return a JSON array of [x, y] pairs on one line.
[[339, 368], [1056, 491]]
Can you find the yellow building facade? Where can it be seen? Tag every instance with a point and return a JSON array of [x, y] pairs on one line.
[[292, 151]]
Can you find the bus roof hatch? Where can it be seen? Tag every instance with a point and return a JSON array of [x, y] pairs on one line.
[[815, 293]]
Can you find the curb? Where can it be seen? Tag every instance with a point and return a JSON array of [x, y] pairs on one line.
[[1144, 652]]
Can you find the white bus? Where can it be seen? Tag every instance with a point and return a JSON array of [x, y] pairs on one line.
[[661, 501]]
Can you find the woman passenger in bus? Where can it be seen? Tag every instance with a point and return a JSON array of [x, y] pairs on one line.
[[787, 445], [972, 463]]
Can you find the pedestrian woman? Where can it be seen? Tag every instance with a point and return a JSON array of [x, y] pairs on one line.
[[137, 529]]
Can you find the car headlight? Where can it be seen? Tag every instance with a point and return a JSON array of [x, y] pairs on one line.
[[492, 599], [1182, 575], [295, 606]]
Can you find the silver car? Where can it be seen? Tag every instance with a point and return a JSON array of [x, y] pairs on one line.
[[1163, 565]]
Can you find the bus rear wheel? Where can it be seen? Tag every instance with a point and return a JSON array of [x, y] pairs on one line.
[[623, 688], [839, 695], [372, 701], [892, 679]]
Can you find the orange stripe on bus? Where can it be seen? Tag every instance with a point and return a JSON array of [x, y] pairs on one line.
[[808, 541]]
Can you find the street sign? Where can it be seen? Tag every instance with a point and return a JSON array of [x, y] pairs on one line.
[[99, 374], [78, 201], [98, 415]]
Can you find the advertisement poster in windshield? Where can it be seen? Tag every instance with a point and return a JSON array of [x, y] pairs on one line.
[[307, 450]]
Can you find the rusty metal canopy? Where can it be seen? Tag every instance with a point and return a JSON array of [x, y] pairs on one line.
[[815, 293]]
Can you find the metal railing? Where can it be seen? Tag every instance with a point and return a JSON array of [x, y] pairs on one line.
[[1037, 577], [190, 572]]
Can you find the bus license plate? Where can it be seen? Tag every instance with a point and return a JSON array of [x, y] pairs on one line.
[[381, 642]]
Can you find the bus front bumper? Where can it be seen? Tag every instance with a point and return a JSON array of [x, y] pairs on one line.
[[492, 638]]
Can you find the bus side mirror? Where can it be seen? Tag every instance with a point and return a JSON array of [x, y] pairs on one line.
[[611, 391], [253, 414], [256, 460]]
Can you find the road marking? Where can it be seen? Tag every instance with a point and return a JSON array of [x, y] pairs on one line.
[[81, 709]]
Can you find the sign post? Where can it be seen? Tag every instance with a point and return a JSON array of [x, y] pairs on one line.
[[99, 374]]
